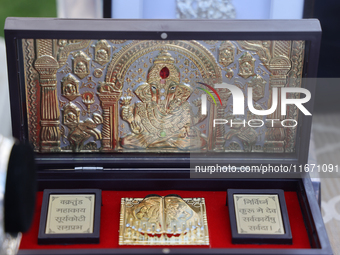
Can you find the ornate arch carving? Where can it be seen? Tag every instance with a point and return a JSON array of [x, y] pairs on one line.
[[120, 64], [196, 52]]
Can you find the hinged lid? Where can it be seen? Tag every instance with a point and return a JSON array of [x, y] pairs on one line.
[[161, 93]]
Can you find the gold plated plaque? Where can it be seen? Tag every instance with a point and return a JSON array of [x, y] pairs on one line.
[[169, 220], [146, 95], [70, 214], [258, 214]]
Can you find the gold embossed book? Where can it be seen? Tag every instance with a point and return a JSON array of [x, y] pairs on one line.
[[169, 220]]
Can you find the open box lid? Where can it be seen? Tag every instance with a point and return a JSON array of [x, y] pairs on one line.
[[145, 94]]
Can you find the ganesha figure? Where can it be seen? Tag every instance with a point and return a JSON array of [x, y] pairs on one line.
[[163, 118]]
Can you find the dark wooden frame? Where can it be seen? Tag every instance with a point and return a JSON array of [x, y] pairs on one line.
[[85, 238], [237, 238], [162, 171]]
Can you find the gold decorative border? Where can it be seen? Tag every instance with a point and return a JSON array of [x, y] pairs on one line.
[[31, 91]]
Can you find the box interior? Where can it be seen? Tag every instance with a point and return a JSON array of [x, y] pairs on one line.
[[217, 214]]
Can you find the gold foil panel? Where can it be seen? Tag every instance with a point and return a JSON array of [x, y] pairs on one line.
[[145, 96], [168, 220]]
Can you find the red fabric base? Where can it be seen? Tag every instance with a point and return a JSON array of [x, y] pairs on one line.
[[217, 214]]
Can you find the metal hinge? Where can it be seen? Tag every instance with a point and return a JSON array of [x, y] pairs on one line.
[[88, 168]]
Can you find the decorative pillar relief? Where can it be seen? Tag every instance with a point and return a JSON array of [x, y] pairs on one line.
[[109, 95], [279, 66], [47, 67]]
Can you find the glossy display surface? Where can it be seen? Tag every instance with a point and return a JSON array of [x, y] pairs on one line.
[[145, 96]]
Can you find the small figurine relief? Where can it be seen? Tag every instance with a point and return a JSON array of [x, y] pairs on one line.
[[81, 64], [226, 54], [258, 84], [80, 131], [102, 52], [71, 115], [246, 65], [163, 118], [69, 87]]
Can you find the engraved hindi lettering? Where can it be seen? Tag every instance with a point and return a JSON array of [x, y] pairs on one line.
[[255, 201], [70, 210], [70, 227], [70, 218], [258, 214], [70, 214], [71, 202]]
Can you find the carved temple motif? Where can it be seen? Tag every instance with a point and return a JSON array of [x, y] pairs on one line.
[[125, 96]]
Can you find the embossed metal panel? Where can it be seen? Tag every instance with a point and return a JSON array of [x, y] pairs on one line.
[[145, 95]]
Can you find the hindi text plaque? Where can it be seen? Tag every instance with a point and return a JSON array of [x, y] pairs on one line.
[[70, 216], [258, 216]]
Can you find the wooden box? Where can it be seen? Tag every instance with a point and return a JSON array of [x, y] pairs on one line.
[[117, 105]]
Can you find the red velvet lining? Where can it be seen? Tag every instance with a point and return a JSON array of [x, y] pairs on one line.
[[217, 214]]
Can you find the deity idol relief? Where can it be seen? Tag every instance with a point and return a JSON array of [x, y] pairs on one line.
[[81, 64], [69, 87], [247, 65], [163, 118], [226, 53], [80, 67], [102, 55], [102, 52], [80, 131]]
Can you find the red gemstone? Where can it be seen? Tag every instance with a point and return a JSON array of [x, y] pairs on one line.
[[164, 73]]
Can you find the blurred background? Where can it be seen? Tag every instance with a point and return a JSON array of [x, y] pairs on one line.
[[325, 143]]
